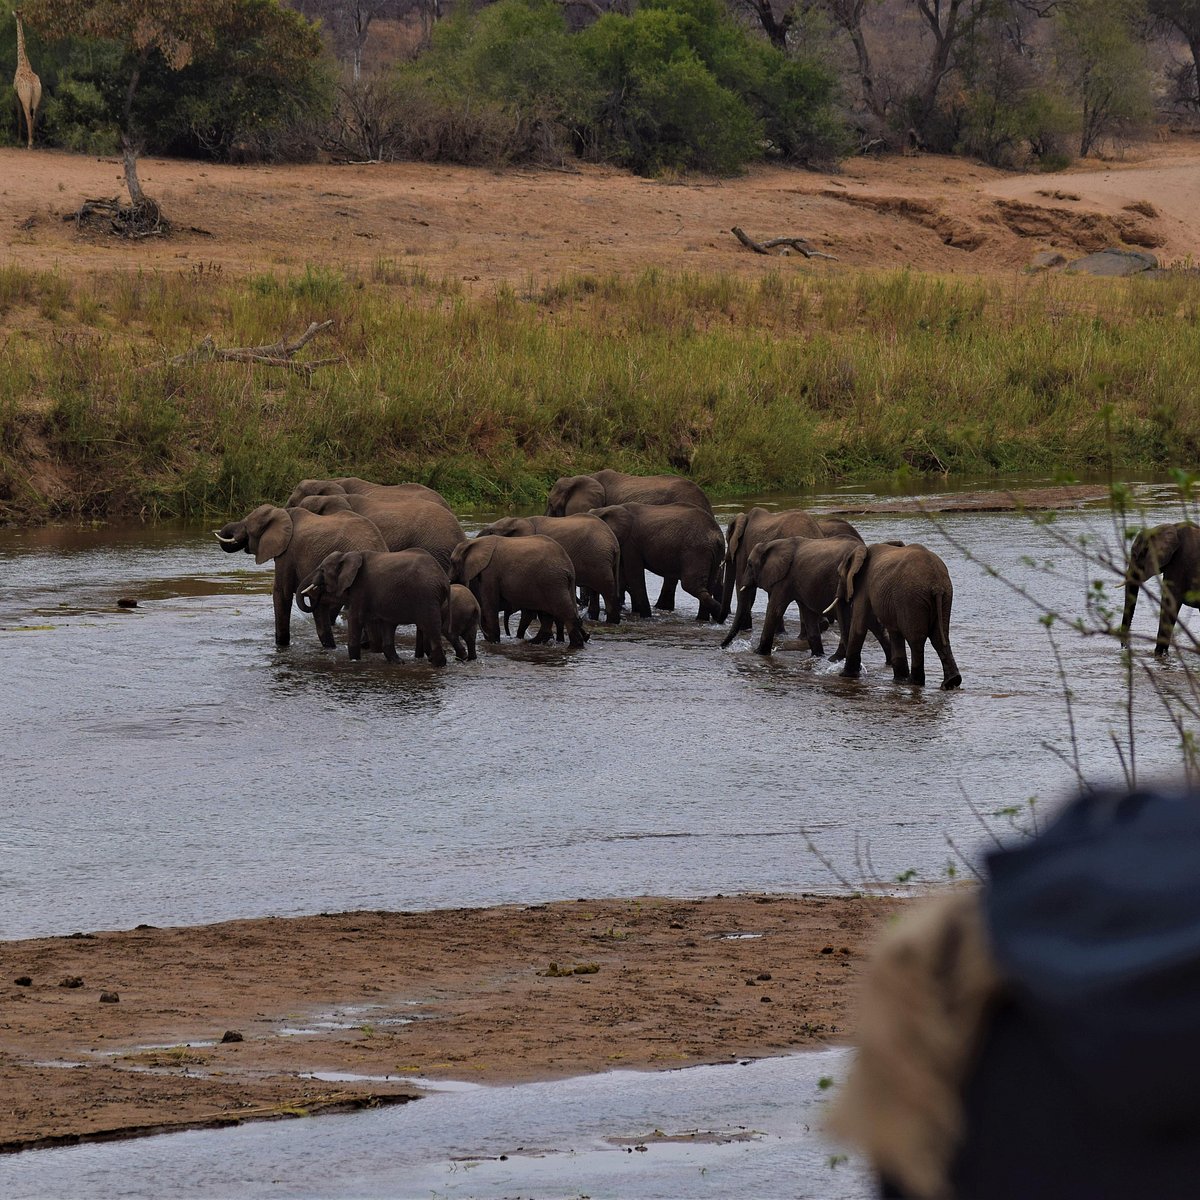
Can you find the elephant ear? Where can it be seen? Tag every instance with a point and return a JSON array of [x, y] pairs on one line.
[[585, 493], [478, 556], [348, 567], [1162, 544], [734, 535], [270, 531], [848, 572], [774, 561]]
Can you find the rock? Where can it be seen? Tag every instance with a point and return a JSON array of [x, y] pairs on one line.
[[23, 981], [232, 1035], [71, 981], [109, 998], [1048, 260], [126, 602], [1114, 262]]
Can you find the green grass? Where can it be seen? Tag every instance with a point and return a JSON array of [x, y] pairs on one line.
[[749, 385]]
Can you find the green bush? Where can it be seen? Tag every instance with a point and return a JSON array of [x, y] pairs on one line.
[[76, 116]]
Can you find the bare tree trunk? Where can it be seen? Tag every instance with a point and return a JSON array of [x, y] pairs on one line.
[[129, 155]]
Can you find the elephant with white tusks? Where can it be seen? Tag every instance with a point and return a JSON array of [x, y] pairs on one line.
[[1172, 551], [298, 540], [907, 591]]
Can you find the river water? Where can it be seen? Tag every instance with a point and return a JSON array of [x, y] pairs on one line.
[[166, 764]]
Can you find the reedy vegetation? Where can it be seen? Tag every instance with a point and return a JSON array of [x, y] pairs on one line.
[[749, 385]]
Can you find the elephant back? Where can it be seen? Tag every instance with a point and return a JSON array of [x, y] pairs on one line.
[[413, 524], [315, 537], [620, 488]]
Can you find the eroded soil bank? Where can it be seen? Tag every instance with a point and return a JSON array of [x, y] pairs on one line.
[[467, 994]]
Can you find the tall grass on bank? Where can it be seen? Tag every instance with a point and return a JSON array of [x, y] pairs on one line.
[[746, 384]]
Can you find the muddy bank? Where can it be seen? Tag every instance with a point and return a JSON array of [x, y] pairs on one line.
[[495, 995]]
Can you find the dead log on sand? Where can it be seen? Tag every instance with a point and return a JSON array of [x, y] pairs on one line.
[[277, 354], [799, 244]]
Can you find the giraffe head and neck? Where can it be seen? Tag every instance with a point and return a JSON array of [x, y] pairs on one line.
[[25, 83]]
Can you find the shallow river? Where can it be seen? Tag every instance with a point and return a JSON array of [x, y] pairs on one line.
[[167, 764]]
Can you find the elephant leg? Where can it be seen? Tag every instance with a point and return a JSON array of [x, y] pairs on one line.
[[323, 616], [471, 655], [941, 644], [612, 605], [460, 649], [354, 635], [282, 600], [810, 624], [916, 672], [777, 601], [432, 638], [899, 658], [387, 637], [855, 636], [578, 635], [419, 652], [666, 594], [1168, 614], [635, 584], [545, 626], [489, 613], [741, 618]]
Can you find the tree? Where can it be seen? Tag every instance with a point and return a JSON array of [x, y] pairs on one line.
[[349, 21], [171, 34], [1183, 16], [1104, 63]]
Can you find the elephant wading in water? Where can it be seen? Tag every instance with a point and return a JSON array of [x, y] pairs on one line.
[[803, 571], [298, 540], [460, 621], [351, 485], [530, 573], [907, 590], [753, 528], [1172, 551], [676, 541], [592, 547], [406, 523], [383, 589]]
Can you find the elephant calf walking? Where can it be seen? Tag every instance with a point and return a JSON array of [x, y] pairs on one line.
[[907, 590]]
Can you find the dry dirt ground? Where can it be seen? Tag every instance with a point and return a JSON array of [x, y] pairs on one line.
[[490, 995], [484, 226]]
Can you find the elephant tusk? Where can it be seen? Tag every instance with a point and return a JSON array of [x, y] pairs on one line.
[[224, 540], [308, 591], [826, 612]]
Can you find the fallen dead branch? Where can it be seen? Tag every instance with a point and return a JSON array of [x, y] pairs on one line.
[[799, 244], [142, 220], [277, 354]]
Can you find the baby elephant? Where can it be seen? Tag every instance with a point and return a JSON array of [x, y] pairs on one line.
[[460, 622], [383, 589]]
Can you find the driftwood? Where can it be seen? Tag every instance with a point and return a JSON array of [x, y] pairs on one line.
[[277, 354], [141, 220], [799, 244]]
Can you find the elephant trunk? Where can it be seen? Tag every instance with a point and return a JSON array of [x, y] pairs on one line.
[[306, 599]]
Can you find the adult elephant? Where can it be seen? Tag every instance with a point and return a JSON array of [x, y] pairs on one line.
[[298, 540], [383, 589], [407, 523], [676, 541], [1172, 551], [579, 493], [352, 485], [592, 547], [753, 528], [803, 571], [906, 590], [530, 573]]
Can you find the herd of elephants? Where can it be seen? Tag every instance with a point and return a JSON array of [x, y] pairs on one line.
[[395, 554]]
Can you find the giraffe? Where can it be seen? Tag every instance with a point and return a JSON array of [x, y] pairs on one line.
[[26, 84]]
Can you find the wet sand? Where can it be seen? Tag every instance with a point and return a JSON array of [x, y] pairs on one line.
[[494, 996]]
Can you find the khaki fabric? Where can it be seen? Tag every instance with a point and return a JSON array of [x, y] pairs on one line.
[[924, 999]]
